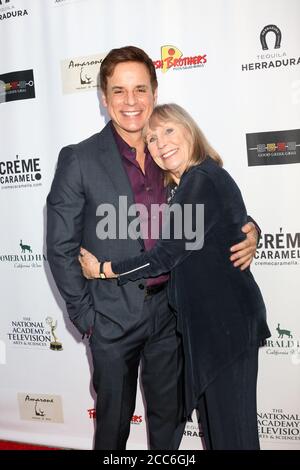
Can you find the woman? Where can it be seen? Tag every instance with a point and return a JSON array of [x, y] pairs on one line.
[[220, 310]]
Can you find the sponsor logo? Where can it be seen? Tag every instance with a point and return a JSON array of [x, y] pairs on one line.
[[26, 258], [278, 424], [17, 86], [173, 58], [193, 427], [21, 172], [54, 345], [9, 11], [92, 413], [36, 407], [273, 148], [284, 342], [136, 419], [278, 249], [263, 35], [81, 73], [271, 58], [30, 333]]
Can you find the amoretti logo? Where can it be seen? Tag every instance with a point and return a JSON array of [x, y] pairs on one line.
[[173, 58], [81, 73], [17, 86], [36, 407], [273, 148], [270, 40]]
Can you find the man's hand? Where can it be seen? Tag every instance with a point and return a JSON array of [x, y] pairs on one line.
[[243, 252], [89, 264]]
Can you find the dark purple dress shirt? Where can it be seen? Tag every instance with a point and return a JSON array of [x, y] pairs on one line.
[[148, 189]]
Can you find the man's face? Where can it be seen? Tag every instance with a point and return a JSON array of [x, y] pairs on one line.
[[129, 98]]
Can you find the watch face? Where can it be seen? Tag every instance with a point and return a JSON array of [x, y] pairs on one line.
[[101, 273]]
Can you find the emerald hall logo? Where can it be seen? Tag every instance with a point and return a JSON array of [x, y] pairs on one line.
[[25, 257]]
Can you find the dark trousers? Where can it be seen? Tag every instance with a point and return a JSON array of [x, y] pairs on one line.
[[227, 409], [116, 356]]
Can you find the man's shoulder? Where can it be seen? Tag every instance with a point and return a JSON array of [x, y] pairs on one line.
[[100, 139]]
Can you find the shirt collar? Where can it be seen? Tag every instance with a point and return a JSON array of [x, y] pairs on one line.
[[124, 148]]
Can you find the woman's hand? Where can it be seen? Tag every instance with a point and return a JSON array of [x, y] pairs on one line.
[[243, 253], [89, 264]]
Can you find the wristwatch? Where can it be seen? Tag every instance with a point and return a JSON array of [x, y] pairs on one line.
[[101, 271]]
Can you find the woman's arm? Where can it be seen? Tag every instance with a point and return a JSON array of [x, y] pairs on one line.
[[184, 230]]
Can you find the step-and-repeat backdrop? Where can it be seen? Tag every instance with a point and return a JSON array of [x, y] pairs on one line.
[[235, 66]]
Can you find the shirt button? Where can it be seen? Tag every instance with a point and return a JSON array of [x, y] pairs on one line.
[[141, 286], [148, 188]]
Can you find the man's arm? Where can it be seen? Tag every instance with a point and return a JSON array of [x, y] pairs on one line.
[[65, 209], [243, 252]]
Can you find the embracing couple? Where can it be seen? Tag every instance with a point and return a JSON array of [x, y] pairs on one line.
[[193, 318]]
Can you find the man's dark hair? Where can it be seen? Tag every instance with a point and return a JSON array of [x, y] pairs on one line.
[[125, 54]]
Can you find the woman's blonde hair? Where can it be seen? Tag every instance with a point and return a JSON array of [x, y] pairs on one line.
[[200, 146]]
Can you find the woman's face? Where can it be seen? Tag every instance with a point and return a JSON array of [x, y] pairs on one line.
[[170, 146]]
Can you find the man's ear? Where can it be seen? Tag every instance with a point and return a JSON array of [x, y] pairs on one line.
[[155, 94], [104, 100]]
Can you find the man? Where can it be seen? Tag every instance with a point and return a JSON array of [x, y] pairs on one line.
[[132, 323]]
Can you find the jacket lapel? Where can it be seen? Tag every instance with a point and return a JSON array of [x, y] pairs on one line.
[[111, 160]]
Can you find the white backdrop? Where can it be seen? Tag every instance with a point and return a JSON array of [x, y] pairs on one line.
[[232, 87]]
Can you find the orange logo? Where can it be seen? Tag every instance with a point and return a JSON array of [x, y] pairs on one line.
[[172, 57]]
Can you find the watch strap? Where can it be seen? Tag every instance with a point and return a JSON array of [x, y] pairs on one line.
[[101, 271]]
